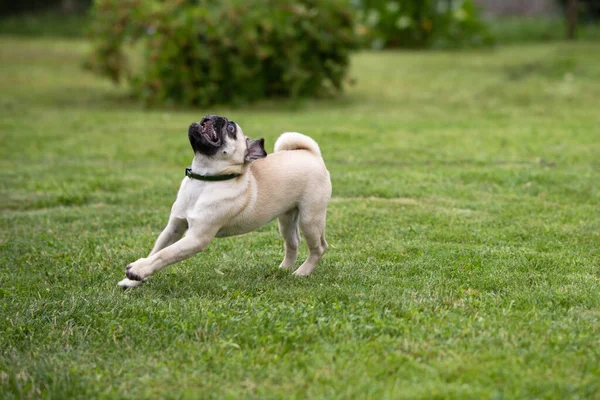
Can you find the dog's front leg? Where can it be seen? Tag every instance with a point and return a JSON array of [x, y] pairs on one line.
[[194, 242], [173, 232]]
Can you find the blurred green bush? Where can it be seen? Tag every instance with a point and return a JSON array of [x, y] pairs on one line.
[[205, 52], [420, 24]]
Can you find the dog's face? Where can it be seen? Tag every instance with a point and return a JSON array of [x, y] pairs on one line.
[[220, 139]]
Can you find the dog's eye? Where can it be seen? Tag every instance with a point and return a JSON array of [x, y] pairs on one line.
[[231, 127]]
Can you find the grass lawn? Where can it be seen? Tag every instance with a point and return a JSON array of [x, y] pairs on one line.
[[464, 237]]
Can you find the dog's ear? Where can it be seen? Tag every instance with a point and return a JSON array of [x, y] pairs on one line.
[[256, 149]]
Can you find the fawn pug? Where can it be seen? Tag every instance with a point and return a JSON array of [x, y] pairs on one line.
[[233, 187]]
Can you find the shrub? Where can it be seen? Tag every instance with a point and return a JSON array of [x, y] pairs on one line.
[[205, 52], [420, 24]]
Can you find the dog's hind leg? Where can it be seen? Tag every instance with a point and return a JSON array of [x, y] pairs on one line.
[[288, 228], [323, 241], [313, 229]]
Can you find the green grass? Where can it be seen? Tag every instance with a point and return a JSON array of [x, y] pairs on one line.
[[464, 231]]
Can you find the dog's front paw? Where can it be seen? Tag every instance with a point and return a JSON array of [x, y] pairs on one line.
[[131, 274], [128, 283], [137, 271]]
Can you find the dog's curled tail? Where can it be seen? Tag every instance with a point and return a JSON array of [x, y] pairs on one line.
[[297, 141]]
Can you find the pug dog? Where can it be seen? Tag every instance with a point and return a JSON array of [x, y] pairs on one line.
[[233, 187]]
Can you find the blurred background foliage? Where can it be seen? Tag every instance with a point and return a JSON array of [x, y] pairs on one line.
[[205, 52], [201, 52], [420, 24]]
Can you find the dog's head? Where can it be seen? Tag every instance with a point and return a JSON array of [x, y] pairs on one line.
[[223, 140]]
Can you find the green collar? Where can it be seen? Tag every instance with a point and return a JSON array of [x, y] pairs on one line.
[[210, 178]]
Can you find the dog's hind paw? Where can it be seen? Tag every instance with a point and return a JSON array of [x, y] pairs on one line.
[[128, 283], [301, 272]]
